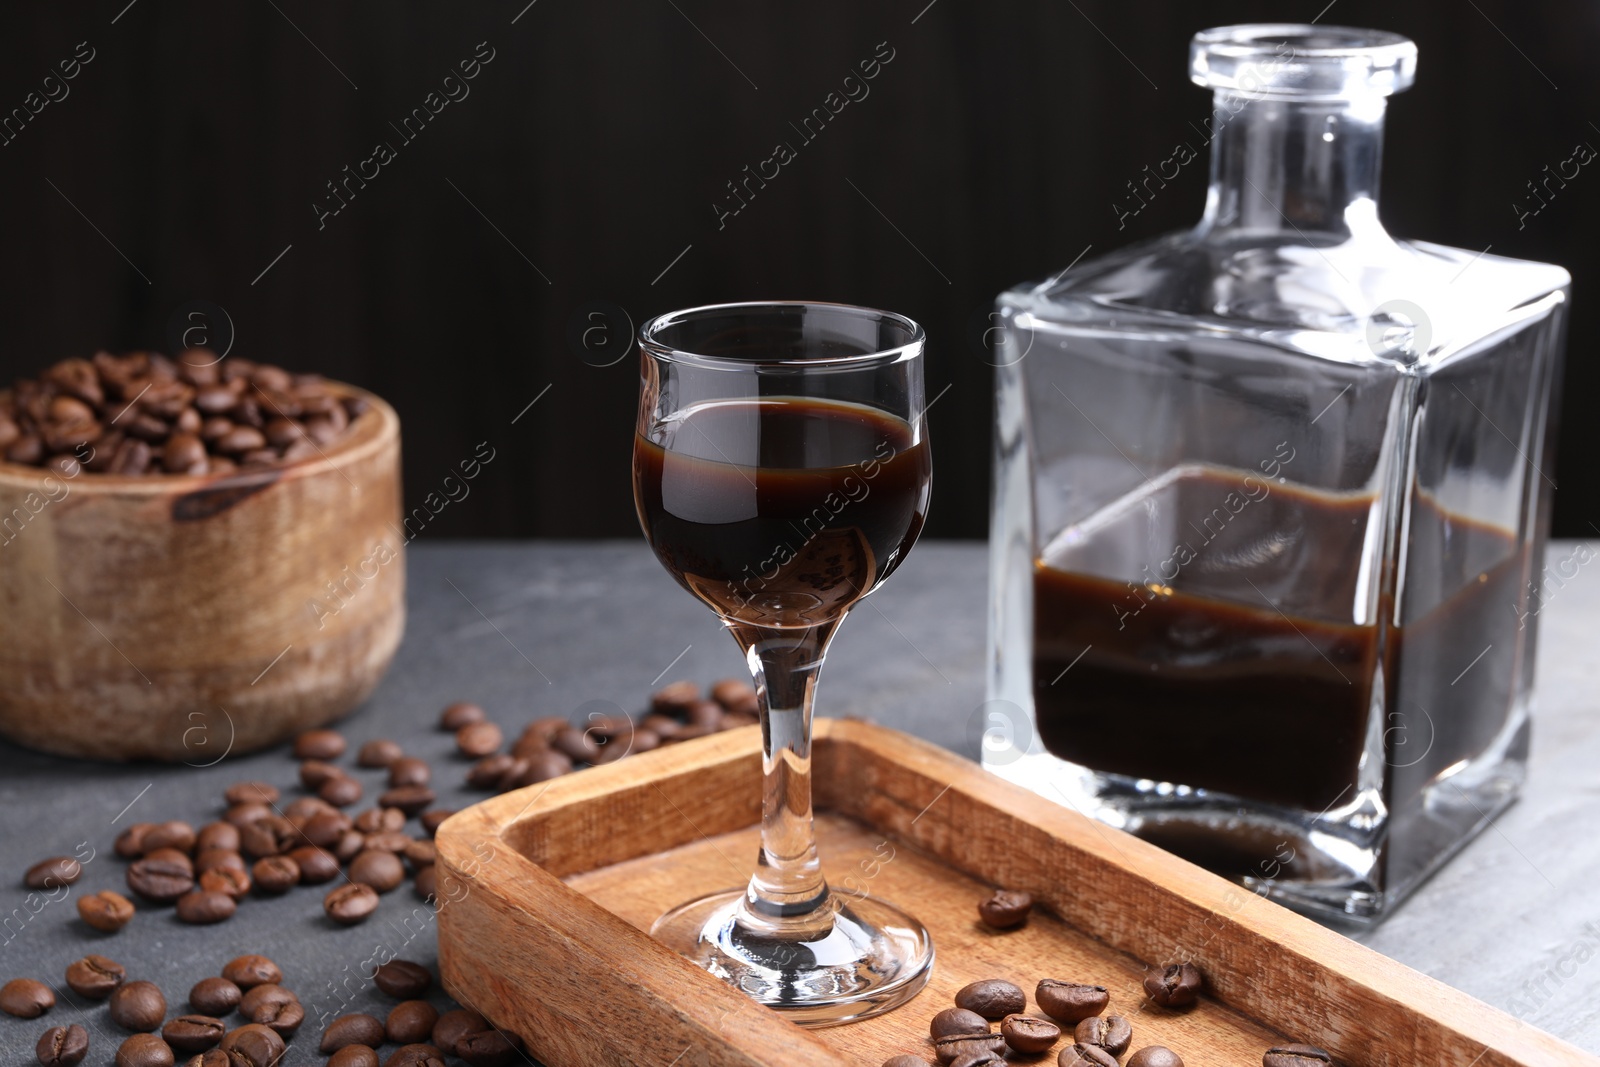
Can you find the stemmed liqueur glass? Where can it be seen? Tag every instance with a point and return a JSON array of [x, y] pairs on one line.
[[781, 472]]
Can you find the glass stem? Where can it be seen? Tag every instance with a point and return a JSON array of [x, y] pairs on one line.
[[787, 885]]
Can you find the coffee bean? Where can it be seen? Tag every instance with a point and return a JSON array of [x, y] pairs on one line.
[[478, 739], [957, 1021], [981, 1058], [275, 874], [53, 873], [341, 791], [1155, 1056], [274, 1006], [242, 815], [130, 843], [325, 828], [232, 883], [351, 903], [408, 798], [378, 753], [354, 1056], [404, 980], [431, 820], [1070, 1002], [1005, 908], [386, 841], [193, 1033], [217, 835], [953, 1046], [1089, 1056], [313, 772], [420, 852], [734, 694], [145, 1050], [662, 726], [138, 1006], [409, 770], [319, 744], [217, 858], [267, 836], [355, 1029], [316, 865], [252, 793], [174, 834], [1110, 1032], [706, 714], [247, 972], [202, 907], [184, 453], [415, 1056], [426, 884], [490, 771], [1027, 1034], [257, 1045], [1173, 986], [62, 1046], [411, 1022], [454, 1025], [26, 998], [674, 699], [543, 767], [381, 870], [992, 998], [905, 1061], [215, 996], [95, 977], [376, 820], [349, 846], [543, 730], [485, 1048], [105, 911], [1296, 1056], [458, 715]]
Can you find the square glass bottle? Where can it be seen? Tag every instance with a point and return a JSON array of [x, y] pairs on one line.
[[1270, 494]]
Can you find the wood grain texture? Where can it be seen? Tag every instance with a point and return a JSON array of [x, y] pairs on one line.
[[176, 617], [630, 839]]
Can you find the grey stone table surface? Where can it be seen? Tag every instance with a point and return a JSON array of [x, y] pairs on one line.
[[539, 628]]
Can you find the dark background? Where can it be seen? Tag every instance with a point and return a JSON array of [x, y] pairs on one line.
[[588, 155]]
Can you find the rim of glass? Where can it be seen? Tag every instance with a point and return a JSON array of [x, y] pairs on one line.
[[911, 349]]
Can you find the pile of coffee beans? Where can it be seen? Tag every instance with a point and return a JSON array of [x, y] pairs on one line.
[[142, 413]]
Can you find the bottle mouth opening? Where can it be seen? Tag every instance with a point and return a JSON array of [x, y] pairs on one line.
[[1302, 61]]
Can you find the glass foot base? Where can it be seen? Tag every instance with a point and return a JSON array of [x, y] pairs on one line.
[[872, 958]]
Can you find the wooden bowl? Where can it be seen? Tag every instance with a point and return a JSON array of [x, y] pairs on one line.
[[182, 617]]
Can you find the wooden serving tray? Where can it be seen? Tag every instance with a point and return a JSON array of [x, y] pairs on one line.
[[546, 894]]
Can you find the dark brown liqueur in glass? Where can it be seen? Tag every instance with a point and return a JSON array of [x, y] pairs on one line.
[[1243, 659], [781, 511]]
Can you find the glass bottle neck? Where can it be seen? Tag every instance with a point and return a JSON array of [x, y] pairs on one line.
[[1306, 170]]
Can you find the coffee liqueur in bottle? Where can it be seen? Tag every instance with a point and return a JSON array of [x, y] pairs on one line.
[[1272, 497]]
